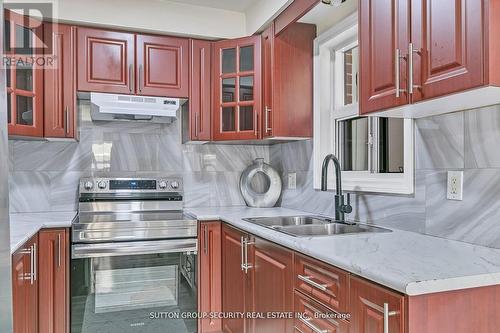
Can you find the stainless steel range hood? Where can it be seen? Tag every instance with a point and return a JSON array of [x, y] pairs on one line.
[[110, 107]]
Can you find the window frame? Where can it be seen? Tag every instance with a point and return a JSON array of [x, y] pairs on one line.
[[329, 108]]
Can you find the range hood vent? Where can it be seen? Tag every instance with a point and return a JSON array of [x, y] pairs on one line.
[[110, 107]]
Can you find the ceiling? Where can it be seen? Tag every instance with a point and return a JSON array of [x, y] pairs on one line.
[[233, 5]]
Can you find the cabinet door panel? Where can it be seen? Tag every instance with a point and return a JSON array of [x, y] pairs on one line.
[[25, 287], [59, 83], [24, 80], [233, 280], [200, 90], [384, 29], [310, 274], [106, 61], [449, 37], [210, 275], [162, 66], [271, 285], [236, 75], [310, 314], [53, 281], [367, 304]]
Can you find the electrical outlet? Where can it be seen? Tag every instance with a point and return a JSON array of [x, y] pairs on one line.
[[292, 180], [455, 185]]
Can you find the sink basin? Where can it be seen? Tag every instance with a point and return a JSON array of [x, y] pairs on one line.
[[329, 229], [284, 221], [312, 226]]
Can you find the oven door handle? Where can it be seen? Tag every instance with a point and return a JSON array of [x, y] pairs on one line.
[[79, 251]]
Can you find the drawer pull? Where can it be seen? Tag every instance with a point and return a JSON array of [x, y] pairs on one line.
[[307, 322], [307, 279], [298, 329]]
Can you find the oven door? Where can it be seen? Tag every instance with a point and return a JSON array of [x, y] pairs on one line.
[[134, 287]]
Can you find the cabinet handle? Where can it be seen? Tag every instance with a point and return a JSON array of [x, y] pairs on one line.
[[35, 263], [141, 74], [131, 77], [58, 250], [28, 276], [66, 118], [205, 239], [307, 279], [267, 111], [247, 266], [256, 132], [298, 329], [307, 322], [196, 125], [387, 314], [397, 59], [242, 240], [411, 52]]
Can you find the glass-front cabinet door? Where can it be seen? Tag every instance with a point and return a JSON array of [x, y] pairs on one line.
[[24, 74], [237, 89]]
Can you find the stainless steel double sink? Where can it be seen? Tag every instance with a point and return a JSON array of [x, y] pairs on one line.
[[312, 226]]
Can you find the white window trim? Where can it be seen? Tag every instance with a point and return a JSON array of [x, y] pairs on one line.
[[327, 109]]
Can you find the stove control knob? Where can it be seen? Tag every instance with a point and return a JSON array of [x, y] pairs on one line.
[[174, 185], [101, 184], [162, 184], [88, 185]]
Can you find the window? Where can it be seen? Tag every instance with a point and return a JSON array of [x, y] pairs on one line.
[[375, 153]]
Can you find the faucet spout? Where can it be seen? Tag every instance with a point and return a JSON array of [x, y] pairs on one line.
[[340, 207]]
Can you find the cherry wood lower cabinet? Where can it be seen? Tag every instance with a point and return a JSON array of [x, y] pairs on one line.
[[40, 283], [270, 272], [373, 308], [53, 295], [233, 279], [256, 278], [25, 287], [209, 286]]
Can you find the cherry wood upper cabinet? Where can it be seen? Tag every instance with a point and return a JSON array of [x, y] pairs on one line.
[[447, 38], [288, 81], [237, 89], [60, 82], [25, 287], [384, 38], [210, 288], [53, 281], [22, 35], [105, 61], [373, 307], [162, 66], [271, 285], [233, 279], [200, 92]]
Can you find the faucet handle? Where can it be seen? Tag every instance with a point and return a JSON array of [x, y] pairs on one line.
[[347, 208]]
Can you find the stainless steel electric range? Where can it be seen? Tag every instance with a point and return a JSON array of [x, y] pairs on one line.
[[134, 257]]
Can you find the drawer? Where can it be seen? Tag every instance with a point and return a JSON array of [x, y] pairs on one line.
[[311, 317], [324, 283]]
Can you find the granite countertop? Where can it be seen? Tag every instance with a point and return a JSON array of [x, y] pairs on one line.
[[408, 262], [24, 225]]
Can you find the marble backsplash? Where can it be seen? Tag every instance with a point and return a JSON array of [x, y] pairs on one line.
[[465, 141], [44, 175]]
